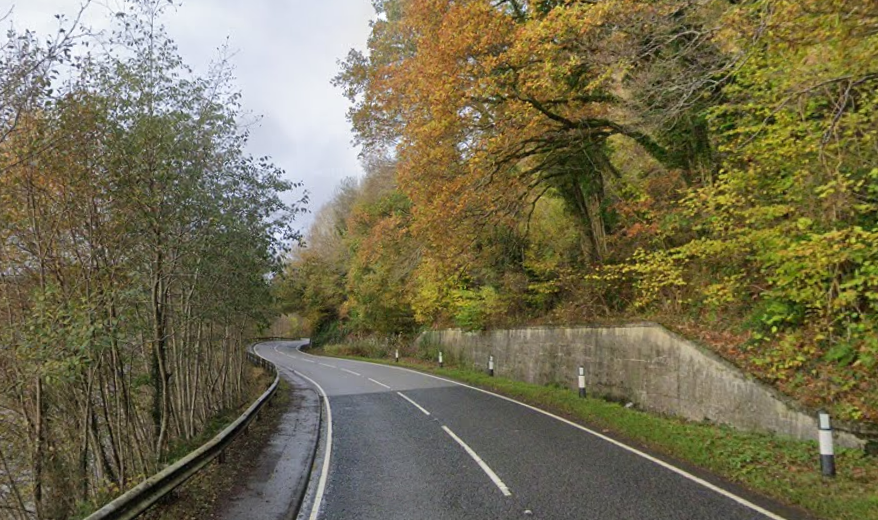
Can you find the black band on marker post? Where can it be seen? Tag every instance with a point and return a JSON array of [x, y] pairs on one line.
[[581, 380], [827, 451]]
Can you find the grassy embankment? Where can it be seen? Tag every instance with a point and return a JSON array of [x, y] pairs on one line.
[[784, 469]]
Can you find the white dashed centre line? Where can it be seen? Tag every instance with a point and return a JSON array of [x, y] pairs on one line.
[[325, 365], [416, 405], [350, 372], [379, 383], [493, 476]]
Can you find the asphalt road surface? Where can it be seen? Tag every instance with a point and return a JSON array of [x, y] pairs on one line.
[[403, 445]]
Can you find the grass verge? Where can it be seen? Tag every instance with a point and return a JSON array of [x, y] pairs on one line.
[[784, 469]]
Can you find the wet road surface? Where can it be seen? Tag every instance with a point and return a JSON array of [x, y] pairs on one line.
[[398, 444]]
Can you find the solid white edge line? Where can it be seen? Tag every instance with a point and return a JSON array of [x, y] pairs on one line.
[[416, 405], [350, 372], [324, 473], [475, 456], [683, 473], [379, 383]]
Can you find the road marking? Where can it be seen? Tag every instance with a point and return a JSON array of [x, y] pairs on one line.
[[493, 476], [297, 358], [325, 365], [379, 383], [683, 473], [324, 473], [351, 372], [416, 405]]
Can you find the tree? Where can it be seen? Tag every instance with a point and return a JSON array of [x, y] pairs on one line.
[[523, 99], [135, 259], [28, 68]]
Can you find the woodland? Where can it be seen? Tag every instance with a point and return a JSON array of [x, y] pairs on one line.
[[708, 164], [137, 241]]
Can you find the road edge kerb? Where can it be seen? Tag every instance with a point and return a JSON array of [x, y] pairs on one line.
[[307, 480], [144, 495], [327, 455], [296, 507], [689, 475]]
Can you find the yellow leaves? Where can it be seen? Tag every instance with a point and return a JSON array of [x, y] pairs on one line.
[[725, 292], [435, 284], [657, 276], [804, 224]]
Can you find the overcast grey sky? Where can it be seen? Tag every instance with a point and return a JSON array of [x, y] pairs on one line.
[[286, 55]]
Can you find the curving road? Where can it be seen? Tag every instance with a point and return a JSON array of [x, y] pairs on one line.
[[399, 444]]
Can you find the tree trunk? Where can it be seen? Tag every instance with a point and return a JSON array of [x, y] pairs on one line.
[[83, 453], [591, 247], [39, 447], [160, 376]]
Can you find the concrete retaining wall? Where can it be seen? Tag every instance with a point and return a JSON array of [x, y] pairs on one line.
[[644, 363]]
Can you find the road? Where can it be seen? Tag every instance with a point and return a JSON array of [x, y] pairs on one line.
[[399, 444]]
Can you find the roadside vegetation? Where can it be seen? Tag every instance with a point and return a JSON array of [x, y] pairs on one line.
[[208, 492], [137, 238], [708, 164], [785, 469]]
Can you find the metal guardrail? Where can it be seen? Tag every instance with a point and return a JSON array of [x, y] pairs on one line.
[[139, 498]]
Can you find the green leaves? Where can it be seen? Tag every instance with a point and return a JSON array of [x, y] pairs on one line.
[[711, 163], [138, 239]]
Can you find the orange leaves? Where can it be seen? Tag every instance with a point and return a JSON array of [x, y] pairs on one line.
[[484, 106]]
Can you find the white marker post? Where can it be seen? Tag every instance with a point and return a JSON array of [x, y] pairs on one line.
[[440, 359], [581, 382], [491, 366], [827, 453], [397, 355]]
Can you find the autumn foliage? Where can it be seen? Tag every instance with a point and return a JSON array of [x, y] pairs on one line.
[[709, 164], [136, 241]]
